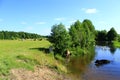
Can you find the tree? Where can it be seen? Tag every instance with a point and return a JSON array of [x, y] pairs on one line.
[[89, 30], [60, 38], [89, 25], [101, 35], [18, 35], [76, 33], [111, 35], [83, 34], [1, 35], [119, 37]]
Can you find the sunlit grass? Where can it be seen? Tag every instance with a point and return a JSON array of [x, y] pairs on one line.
[[25, 54], [116, 44]]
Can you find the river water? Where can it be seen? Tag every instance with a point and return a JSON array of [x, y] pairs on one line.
[[84, 68]]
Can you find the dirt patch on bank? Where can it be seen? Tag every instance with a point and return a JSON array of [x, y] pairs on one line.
[[40, 73]]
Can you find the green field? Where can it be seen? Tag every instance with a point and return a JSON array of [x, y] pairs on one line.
[[26, 54], [116, 44]]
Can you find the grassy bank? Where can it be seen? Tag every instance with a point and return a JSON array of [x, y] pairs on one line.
[[26, 54], [116, 44]]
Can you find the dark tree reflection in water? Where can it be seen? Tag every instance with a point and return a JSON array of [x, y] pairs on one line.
[[78, 65], [84, 68]]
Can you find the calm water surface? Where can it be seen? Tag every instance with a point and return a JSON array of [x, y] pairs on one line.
[[84, 68]]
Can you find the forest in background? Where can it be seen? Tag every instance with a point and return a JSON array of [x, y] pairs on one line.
[[11, 35]]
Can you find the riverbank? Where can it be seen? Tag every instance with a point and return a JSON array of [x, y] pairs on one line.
[[20, 58], [39, 73], [116, 44]]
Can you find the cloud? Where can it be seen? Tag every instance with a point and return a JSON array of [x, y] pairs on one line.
[[60, 19], [40, 23], [90, 10]]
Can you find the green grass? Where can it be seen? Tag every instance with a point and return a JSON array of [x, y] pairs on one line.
[[116, 44], [26, 54]]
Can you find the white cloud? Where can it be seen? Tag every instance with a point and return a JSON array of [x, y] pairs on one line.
[[40, 23], [90, 10], [60, 19]]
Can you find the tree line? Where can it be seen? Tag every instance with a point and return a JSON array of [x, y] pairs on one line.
[[11, 35], [103, 35], [79, 37]]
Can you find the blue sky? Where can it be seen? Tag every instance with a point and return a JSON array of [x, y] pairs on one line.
[[38, 16]]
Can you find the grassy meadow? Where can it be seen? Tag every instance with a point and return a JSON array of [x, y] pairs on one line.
[[26, 54], [116, 44]]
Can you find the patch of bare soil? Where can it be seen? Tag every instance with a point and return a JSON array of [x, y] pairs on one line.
[[40, 73]]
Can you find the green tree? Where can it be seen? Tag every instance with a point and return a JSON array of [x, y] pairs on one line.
[[60, 38], [101, 35], [83, 34], [111, 35], [89, 29], [18, 35], [89, 25], [119, 37], [1, 35], [76, 33]]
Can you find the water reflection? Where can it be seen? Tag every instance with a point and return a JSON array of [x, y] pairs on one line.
[[78, 65], [112, 49], [85, 67], [106, 46]]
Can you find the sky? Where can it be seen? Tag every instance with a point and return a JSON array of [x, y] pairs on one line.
[[38, 16]]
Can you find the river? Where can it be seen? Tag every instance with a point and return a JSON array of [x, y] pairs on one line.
[[84, 68]]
